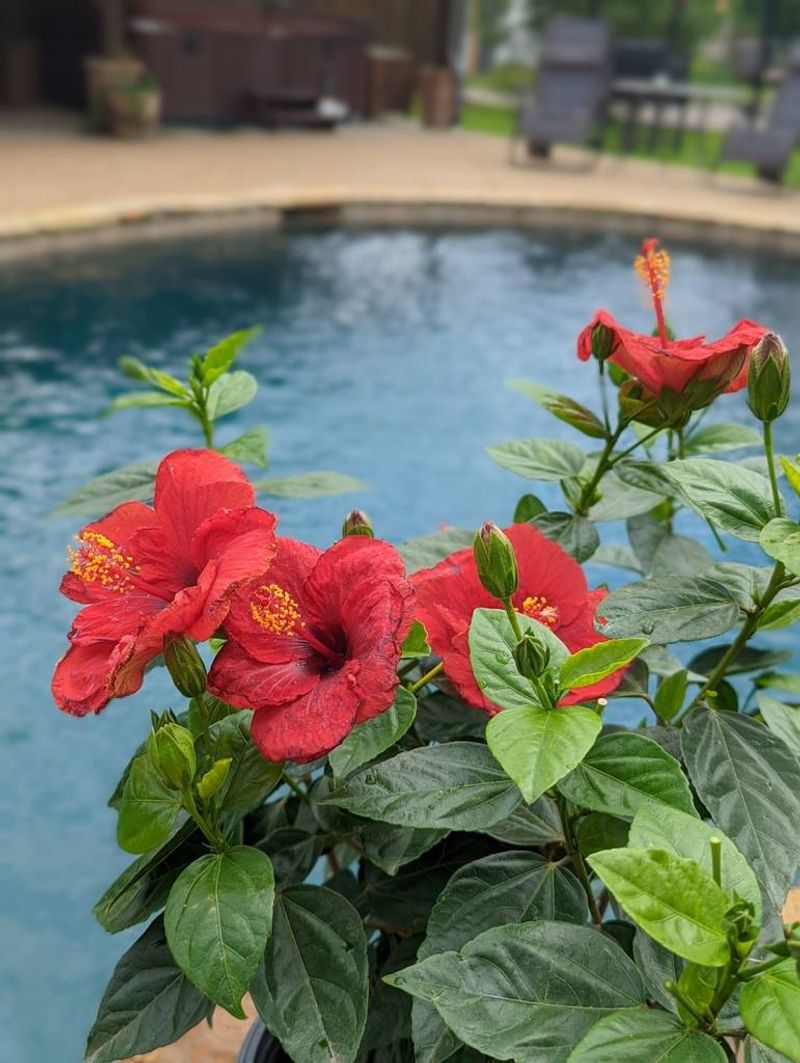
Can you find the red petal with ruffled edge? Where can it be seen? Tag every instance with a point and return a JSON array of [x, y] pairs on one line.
[[314, 724], [656, 368], [241, 680], [80, 681], [121, 527]]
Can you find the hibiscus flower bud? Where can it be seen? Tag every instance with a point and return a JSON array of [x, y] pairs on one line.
[[171, 749], [768, 378], [602, 341], [357, 523], [496, 561], [531, 656], [186, 667]]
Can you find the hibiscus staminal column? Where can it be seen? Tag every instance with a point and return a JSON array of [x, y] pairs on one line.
[[653, 267]]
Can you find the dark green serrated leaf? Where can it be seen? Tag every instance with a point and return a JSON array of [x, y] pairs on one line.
[[599, 831], [781, 540], [367, 740], [312, 987], [442, 718], [661, 553], [529, 991], [217, 921], [148, 809], [750, 783], [731, 497], [561, 406], [576, 535], [749, 659], [623, 772], [656, 965], [528, 507], [783, 720], [756, 1052], [459, 786], [670, 610], [250, 777], [148, 1003], [635, 1036], [390, 847], [530, 825]]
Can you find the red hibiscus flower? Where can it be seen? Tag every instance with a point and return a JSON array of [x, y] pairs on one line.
[[659, 362], [146, 573], [552, 589], [314, 648]]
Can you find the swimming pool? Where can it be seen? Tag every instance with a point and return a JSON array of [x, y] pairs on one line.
[[383, 355]]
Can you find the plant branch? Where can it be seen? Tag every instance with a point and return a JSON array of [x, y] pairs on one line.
[[567, 826], [420, 683]]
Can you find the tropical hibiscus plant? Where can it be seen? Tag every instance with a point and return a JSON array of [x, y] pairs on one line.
[[399, 812]]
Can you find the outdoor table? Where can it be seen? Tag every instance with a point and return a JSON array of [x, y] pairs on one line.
[[661, 95]]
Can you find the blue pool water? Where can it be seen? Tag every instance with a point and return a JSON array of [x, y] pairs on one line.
[[383, 355]]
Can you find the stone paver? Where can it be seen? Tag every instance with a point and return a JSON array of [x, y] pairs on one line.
[[51, 184]]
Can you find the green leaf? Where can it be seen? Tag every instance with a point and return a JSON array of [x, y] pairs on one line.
[[442, 718], [458, 786], [755, 1052], [634, 1036], [537, 747], [148, 1002], [144, 885], [670, 610], [749, 659], [219, 358], [733, 498], [599, 831], [617, 557], [590, 665], [425, 551], [528, 507], [750, 783], [218, 919], [672, 899], [780, 613], [104, 493], [491, 651], [647, 476], [561, 406], [619, 500], [787, 682], [657, 964], [770, 1007], [416, 642], [312, 989], [529, 991], [623, 772], [530, 825], [716, 438], [390, 847], [229, 393], [502, 888], [781, 540], [783, 720], [539, 459], [670, 694], [213, 779], [575, 535], [250, 447], [310, 485], [689, 837], [368, 739], [662, 554], [136, 369], [250, 777], [139, 400], [148, 809]]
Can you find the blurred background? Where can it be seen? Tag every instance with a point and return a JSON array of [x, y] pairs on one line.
[[173, 170]]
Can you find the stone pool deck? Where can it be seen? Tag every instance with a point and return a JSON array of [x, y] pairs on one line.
[[58, 190]]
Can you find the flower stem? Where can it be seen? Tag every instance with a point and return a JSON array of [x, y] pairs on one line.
[[773, 478], [578, 864], [604, 463], [513, 619], [420, 683], [296, 789], [747, 973], [213, 835]]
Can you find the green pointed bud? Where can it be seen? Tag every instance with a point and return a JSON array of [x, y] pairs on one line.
[[171, 750], [357, 523], [531, 656], [769, 378], [602, 342], [213, 778], [496, 561], [186, 667]]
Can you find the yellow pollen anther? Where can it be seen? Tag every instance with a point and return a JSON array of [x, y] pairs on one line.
[[653, 267], [275, 610], [99, 560], [538, 608]]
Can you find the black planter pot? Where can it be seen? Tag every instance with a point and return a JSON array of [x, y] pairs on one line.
[[261, 1047]]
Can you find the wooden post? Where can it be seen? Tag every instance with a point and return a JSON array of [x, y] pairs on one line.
[[113, 27]]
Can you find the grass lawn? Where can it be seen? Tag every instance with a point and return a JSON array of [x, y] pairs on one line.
[[696, 150]]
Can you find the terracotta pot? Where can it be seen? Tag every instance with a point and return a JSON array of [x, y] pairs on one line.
[[102, 74]]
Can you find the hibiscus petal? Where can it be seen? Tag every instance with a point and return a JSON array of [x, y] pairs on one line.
[[311, 726], [352, 564], [191, 486], [546, 571], [120, 528], [240, 680], [80, 680]]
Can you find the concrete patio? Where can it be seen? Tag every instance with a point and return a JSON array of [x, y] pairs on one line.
[[55, 188]]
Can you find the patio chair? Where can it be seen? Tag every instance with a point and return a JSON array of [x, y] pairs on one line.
[[571, 87], [770, 147]]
